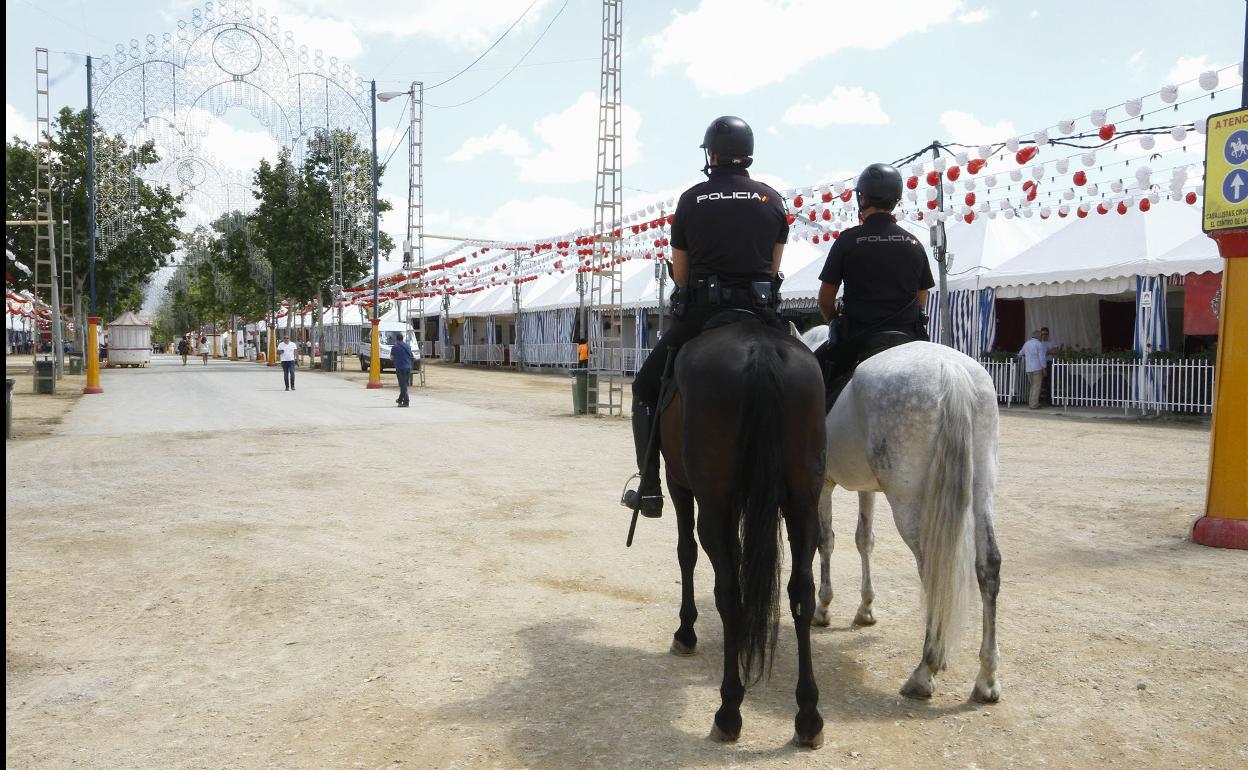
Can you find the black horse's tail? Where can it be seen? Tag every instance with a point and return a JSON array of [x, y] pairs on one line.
[[762, 477]]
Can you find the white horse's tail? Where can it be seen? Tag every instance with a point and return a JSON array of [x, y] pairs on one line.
[[946, 547]]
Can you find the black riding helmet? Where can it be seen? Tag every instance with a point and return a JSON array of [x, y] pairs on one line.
[[732, 141], [879, 186]]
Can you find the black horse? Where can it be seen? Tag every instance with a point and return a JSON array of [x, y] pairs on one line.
[[745, 437]]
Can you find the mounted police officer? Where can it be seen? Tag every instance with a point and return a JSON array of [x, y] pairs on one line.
[[727, 239], [886, 276]]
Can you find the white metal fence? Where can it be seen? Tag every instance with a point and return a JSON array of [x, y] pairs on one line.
[[1159, 386], [481, 354], [558, 354], [1005, 378], [627, 360]]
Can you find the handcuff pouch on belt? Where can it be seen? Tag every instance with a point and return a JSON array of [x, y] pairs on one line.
[[711, 292]]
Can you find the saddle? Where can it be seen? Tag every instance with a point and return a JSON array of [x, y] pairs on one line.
[[840, 362]]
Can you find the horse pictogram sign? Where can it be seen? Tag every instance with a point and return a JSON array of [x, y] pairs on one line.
[[1226, 171]]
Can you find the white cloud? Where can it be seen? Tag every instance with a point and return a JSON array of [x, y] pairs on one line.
[[1189, 68], [503, 139], [334, 37], [238, 148], [568, 143], [975, 17], [846, 106], [1136, 62], [525, 218], [782, 36], [17, 124], [968, 129], [439, 20]]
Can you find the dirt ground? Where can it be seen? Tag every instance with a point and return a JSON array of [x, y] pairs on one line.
[[352, 585]]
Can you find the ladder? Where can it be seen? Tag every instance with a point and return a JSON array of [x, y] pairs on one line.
[[46, 286], [606, 325]]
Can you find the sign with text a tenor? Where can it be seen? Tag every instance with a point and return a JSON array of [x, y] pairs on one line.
[[1226, 171]]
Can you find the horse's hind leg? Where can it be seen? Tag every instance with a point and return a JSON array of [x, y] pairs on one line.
[[718, 538], [685, 641], [865, 540], [988, 573], [803, 531], [827, 542]]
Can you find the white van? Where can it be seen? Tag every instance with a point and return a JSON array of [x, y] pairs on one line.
[[388, 332]]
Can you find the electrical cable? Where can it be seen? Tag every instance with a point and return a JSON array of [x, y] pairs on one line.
[[486, 51]]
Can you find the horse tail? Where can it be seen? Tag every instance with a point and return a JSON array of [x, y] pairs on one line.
[[946, 550], [762, 474]]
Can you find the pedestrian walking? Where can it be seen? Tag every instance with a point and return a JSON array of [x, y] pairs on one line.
[[203, 348], [287, 351], [401, 356], [1035, 355], [184, 347]]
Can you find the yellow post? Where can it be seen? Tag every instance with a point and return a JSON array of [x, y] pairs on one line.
[[1225, 523], [92, 355], [374, 360], [272, 340]]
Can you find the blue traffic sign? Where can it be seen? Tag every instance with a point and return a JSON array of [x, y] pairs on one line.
[[1235, 186], [1236, 148]]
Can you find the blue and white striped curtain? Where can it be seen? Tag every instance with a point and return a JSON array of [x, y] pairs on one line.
[[1151, 329], [547, 326], [964, 306], [641, 328], [987, 319], [491, 335], [933, 315], [469, 339]]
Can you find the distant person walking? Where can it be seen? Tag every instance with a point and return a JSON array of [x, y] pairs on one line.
[[184, 347], [203, 348], [286, 352], [401, 356], [1035, 355]]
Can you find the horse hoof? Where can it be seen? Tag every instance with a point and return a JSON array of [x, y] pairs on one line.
[[864, 618], [813, 742], [986, 694], [911, 689], [683, 650], [821, 618], [719, 736]]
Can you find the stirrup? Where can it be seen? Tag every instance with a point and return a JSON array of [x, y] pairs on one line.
[[650, 506]]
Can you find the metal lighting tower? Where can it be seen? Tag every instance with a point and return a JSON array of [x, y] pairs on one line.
[[606, 389], [46, 284], [415, 256]]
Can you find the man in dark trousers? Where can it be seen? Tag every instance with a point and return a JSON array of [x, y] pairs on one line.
[[402, 358], [885, 273], [728, 235]]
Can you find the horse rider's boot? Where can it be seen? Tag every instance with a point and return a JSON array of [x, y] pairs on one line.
[[649, 490]]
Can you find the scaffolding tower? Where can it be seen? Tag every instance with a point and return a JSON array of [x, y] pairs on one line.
[[47, 289], [69, 291], [415, 255], [606, 332]]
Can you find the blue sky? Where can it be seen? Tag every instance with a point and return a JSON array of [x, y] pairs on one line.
[[828, 86]]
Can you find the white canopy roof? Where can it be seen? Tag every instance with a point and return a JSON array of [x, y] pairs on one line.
[[1103, 253]]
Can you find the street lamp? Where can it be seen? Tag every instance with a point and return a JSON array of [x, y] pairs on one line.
[[374, 361]]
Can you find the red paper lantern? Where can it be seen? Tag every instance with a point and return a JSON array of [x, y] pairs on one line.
[[970, 217], [827, 215], [1080, 178], [931, 205], [953, 173], [790, 218], [1081, 213], [836, 233], [970, 199], [813, 215], [1122, 207], [827, 197], [1107, 132], [1145, 204], [845, 196], [933, 178], [975, 165], [1026, 154], [798, 201], [1100, 209], [912, 183], [1190, 198], [827, 237], [815, 239]]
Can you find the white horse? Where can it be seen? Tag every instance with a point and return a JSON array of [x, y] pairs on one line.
[[918, 422]]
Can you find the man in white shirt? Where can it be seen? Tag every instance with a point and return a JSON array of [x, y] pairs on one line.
[[1035, 355], [286, 351]]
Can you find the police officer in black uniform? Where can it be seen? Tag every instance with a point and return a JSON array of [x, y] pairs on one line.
[[728, 235], [885, 273]]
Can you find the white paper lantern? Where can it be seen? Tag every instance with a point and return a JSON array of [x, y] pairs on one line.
[[1037, 172], [1011, 144], [650, 208], [911, 196], [1179, 174], [1116, 185], [1169, 94], [1045, 211], [1085, 207], [939, 163], [931, 193], [1208, 80], [1009, 213], [1147, 142], [1016, 174], [838, 188], [942, 216], [1200, 125], [991, 181], [983, 206], [1098, 118], [1068, 195], [985, 152], [1134, 106], [992, 215], [1027, 212], [966, 210], [1142, 172], [1066, 126], [1004, 205], [1063, 210], [1063, 165], [1093, 190], [916, 169], [968, 184], [1088, 159], [1154, 197], [1178, 133], [962, 158]]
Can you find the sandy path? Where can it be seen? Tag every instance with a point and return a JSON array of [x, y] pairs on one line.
[[225, 576]]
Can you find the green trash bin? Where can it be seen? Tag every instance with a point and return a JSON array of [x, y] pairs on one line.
[[8, 408], [329, 360], [74, 364], [45, 376], [581, 381]]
